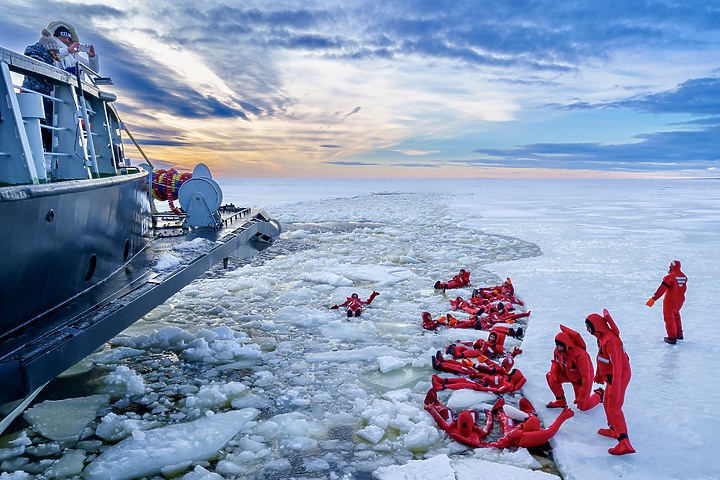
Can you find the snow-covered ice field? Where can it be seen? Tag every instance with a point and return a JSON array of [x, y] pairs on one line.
[[250, 374]]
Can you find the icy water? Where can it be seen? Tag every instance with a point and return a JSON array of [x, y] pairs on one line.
[[336, 398]]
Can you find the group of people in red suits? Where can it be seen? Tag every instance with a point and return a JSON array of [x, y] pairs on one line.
[[480, 369], [485, 365], [571, 364]]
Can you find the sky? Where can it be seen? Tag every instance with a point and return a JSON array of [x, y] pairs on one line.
[[401, 89]]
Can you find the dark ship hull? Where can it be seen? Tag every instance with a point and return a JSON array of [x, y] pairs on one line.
[[62, 239], [80, 238]]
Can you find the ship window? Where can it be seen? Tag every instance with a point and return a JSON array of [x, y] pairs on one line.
[[126, 251], [91, 268], [50, 216]]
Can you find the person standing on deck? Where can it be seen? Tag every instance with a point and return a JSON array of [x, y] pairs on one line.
[[66, 34]]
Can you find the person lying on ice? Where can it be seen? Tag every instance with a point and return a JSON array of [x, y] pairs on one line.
[[505, 292], [477, 367], [521, 427], [497, 384], [463, 429], [492, 347], [462, 279], [449, 321], [524, 430], [500, 314], [570, 364], [355, 305], [460, 304], [613, 370]]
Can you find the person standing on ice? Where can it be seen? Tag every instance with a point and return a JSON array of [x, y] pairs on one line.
[[570, 364], [673, 286], [613, 370], [355, 305]]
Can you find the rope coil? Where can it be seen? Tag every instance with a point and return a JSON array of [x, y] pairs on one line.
[[166, 184]]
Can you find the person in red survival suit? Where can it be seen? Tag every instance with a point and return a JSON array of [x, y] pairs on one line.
[[501, 314], [570, 364], [462, 279], [477, 367], [673, 286], [355, 305], [524, 429], [505, 292], [464, 429], [461, 304], [493, 346], [449, 321], [613, 369], [497, 384]]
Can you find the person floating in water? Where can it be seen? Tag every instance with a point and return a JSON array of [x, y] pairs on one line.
[[355, 305], [521, 427], [673, 286], [462, 279]]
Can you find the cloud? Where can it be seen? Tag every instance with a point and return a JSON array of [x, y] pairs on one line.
[[273, 80], [655, 151], [414, 153], [353, 112], [697, 96], [345, 163]]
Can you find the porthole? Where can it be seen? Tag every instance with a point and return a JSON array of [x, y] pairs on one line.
[[90, 271], [50, 217]]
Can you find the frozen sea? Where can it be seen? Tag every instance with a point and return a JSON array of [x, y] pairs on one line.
[[247, 373]]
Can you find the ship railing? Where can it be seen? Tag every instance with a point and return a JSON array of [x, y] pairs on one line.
[[81, 139]]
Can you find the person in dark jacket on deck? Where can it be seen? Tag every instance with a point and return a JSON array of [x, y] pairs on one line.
[[44, 50]]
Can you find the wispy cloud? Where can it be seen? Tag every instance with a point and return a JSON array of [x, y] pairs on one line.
[[270, 87]]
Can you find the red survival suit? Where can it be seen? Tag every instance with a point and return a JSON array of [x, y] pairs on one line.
[[493, 346], [465, 429], [462, 279], [613, 369], [570, 364], [471, 369], [449, 321], [355, 305], [673, 286], [497, 384], [506, 292], [526, 433]]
